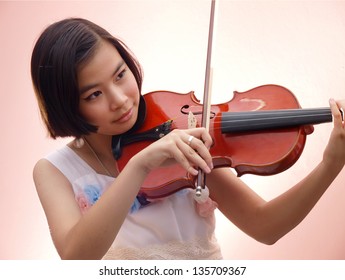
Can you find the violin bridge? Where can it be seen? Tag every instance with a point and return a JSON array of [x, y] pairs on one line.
[[192, 121]]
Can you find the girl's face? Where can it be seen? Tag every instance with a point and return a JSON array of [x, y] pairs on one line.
[[109, 94]]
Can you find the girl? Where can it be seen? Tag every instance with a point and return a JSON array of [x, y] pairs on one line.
[[88, 86]]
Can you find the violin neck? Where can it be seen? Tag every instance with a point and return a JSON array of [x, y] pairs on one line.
[[273, 119]]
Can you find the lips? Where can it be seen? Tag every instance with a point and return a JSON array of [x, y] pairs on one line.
[[125, 117]]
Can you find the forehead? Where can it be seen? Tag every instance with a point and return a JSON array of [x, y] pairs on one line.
[[100, 65]]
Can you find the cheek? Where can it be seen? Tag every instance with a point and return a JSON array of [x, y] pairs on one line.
[[133, 92], [136, 96], [83, 111], [89, 113]]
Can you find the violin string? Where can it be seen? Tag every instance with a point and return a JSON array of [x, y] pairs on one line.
[[273, 114], [253, 119], [324, 112]]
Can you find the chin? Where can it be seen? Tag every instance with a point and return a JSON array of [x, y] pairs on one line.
[[124, 128]]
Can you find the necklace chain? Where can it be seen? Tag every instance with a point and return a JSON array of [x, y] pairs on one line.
[[97, 157]]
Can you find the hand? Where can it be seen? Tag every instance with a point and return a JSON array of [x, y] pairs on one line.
[[189, 148], [335, 151]]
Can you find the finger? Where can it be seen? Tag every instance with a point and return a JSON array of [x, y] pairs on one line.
[[206, 138], [203, 134], [196, 153], [183, 154], [202, 145], [199, 146], [180, 157], [337, 112]]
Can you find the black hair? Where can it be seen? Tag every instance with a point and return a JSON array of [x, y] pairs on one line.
[[60, 49]]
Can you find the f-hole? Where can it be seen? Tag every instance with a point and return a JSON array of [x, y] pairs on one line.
[[185, 109]]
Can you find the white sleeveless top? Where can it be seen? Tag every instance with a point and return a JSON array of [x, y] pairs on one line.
[[174, 227]]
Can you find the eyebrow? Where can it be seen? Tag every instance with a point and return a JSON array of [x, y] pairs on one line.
[[90, 86]]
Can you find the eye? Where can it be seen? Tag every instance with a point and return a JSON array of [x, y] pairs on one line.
[[121, 75], [93, 95]]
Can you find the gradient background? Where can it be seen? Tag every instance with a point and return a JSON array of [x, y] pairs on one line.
[[296, 44]]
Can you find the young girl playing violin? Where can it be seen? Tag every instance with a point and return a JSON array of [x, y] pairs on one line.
[[88, 86]]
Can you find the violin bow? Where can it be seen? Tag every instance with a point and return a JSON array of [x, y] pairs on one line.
[[201, 179]]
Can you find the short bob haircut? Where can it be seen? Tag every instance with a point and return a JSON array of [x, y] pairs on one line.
[[60, 49]]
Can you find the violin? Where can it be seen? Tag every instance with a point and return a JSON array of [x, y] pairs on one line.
[[261, 131]]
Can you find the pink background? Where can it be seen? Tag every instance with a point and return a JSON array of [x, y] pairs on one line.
[[296, 44]]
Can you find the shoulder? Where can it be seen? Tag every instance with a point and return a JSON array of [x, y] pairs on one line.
[[43, 166], [68, 162], [45, 172], [49, 164], [52, 186]]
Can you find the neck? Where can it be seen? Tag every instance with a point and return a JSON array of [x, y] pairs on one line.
[[101, 144], [97, 152]]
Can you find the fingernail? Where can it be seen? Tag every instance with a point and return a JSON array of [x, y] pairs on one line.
[[207, 169], [194, 172]]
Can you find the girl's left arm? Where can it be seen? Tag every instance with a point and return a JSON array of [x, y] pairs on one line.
[[268, 221]]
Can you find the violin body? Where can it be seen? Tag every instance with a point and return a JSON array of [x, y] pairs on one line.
[[260, 151]]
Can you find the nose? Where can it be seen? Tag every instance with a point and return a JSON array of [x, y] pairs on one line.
[[116, 98]]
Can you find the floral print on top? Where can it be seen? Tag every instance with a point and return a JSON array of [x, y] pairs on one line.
[[86, 196], [89, 194]]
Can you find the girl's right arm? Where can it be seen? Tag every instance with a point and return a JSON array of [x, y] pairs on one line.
[[89, 235]]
